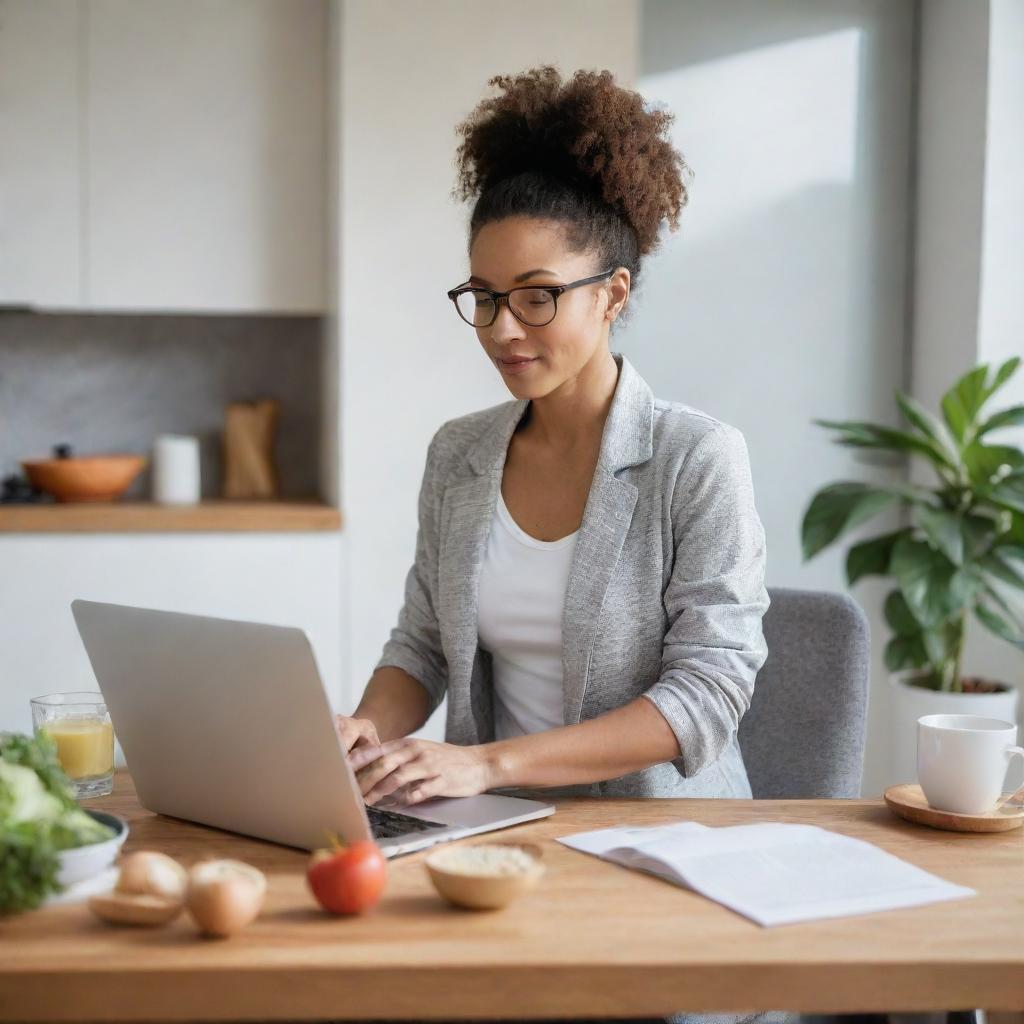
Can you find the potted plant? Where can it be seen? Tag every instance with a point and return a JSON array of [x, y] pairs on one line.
[[960, 553]]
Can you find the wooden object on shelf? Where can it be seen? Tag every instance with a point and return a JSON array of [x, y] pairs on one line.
[[249, 470], [149, 517]]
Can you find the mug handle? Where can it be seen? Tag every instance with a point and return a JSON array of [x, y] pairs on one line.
[[1011, 753]]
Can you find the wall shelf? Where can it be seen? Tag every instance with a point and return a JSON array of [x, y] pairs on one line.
[[147, 517]]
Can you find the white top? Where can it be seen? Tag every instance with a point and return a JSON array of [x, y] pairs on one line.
[[520, 601]]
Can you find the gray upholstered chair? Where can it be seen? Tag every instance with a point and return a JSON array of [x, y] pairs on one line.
[[803, 735]]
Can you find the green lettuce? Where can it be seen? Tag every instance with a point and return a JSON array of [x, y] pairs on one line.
[[38, 818]]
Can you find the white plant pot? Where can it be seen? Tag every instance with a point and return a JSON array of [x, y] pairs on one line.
[[909, 703]]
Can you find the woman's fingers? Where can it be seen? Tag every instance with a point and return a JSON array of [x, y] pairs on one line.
[[355, 732], [363, 754], [383, 766], [417, 791], [407, 773]]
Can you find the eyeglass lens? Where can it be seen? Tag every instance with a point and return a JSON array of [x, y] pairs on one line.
[[533, 306]]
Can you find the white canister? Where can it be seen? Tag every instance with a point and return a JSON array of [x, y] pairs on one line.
[[176, 470]]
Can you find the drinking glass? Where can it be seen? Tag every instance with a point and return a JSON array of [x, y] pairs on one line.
[[81, 728]]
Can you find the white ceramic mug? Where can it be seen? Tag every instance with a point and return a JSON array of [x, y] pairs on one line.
[[962, 761]]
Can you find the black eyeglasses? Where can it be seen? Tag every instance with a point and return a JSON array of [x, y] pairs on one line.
[[533, 305]]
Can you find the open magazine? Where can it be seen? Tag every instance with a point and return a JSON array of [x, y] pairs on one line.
[[773, 873]]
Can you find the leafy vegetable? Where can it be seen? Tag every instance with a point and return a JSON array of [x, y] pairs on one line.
[[40, 754], [38, 818]]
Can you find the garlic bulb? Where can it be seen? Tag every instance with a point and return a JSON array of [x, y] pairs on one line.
[[150, 890], [147, 872], [134, 908]]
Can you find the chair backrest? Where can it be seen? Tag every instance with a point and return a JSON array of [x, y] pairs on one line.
[[803, 734]]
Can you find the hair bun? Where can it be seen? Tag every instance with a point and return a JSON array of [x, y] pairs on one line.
[[586, 131]]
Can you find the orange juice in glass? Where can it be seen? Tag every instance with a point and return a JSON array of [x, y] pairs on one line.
[[81, 728]]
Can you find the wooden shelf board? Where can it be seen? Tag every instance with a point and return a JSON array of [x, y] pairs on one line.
[[148, 517]]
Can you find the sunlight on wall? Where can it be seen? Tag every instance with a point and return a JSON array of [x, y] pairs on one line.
[[783, 118], [781, 298]]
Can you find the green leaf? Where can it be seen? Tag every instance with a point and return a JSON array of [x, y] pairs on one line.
[[961, 402], [993, 594], [1003, 374], [989, 463], [997, 563], [899, 617], [905, 652], [39, 752], [838, 508], [933, 586], [1008, 493], [979, 532], [1012, 417], [28, 868], [944, 530], [1015, 534], [919, 417], [858, 434], [938, 647], [999, 626], [871, 557]]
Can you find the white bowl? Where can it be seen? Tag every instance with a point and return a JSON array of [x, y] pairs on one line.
[[82, 862]]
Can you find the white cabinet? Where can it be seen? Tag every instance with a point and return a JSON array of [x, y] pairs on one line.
[[206, 187], [163, 156], [39, 153]]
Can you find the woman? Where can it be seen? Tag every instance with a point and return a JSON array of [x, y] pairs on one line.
[[588, 584]]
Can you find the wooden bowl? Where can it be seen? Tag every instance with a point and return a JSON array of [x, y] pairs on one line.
[[91, 478], [474, 890]]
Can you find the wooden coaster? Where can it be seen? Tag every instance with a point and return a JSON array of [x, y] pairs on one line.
[[908, 802]]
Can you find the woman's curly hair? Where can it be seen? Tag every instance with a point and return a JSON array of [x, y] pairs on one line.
[[584, 152]]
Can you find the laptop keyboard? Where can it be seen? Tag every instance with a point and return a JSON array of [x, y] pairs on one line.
[[385, 824]]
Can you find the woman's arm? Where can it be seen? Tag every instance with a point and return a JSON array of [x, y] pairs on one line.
[[621, 741], [395, 702], [618, 742], [715, 600]]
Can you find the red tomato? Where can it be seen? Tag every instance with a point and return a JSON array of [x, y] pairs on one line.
[[348, 879]]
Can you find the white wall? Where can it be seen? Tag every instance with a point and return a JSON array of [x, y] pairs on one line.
[[970, 262], [409, 73], [951, 134], [1001, 313], [282, 579], [782, 298]]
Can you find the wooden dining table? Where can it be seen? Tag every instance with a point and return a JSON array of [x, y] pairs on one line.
[[592, 939]]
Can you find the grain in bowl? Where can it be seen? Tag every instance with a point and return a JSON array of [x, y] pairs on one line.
[[485, 876]]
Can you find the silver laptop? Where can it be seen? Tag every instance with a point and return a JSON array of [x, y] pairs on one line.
[[227, 723]]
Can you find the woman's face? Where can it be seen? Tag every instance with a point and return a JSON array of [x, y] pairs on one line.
[[577, 337]]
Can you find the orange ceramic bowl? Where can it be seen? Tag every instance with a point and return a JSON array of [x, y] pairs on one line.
[[90, 478]]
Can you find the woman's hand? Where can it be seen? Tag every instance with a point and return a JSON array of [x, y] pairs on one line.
[[411, 770], [356, 733]]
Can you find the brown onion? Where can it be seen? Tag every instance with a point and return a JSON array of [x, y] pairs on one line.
[[223, 896]]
